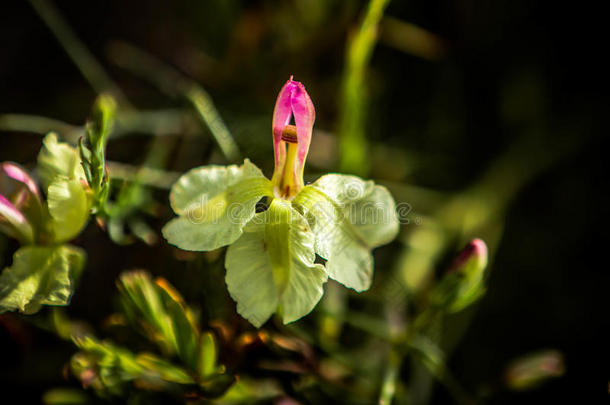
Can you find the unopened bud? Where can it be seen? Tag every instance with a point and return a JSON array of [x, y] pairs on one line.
[[533, 369], [463, 283]]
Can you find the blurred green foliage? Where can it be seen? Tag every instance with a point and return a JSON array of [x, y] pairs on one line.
[[482, 119]]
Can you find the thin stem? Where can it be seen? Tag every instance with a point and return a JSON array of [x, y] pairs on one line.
[[40, 125], [412, 39], [144, 175], [388, 387], [165, 122], [366, 323], [78, 52], [175, 84], [353, 101]]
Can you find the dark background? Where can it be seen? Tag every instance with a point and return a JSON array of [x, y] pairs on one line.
[[513, 70]]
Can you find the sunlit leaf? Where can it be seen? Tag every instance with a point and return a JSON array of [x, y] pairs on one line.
[[207, 354], [214, 204], [111, 366], [247, 390], [349, 217], [68, 206], [164, 369], [182, 322], [272, 265], [58, 159], [40, 276], [163, 313]]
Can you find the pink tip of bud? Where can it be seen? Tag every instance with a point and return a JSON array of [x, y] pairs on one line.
[[17, 173], [476, 248]]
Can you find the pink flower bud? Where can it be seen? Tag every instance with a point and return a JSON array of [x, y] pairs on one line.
[[291, 142], [20, 204], [17, 173], [533, 369], [473, 255]]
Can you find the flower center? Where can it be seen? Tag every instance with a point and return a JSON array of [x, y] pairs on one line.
[[289, 184]]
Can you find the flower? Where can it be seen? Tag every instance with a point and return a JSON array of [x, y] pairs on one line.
[[20, 205], [291, 142], [271, 257]]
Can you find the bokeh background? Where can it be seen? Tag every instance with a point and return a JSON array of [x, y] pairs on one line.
[[456, 93]]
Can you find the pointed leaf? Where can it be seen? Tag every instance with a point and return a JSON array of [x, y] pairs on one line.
[[115, 365], [214, 204], [164, 369], [183, 323], [161, 309], [208, 355]]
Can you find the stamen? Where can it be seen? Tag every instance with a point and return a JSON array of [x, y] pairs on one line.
[[290, 134]]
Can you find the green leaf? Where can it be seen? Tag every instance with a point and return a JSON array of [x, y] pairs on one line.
[[247, 390], [68, 206], [163, 313], [92, 149], [272, 265], [40, 276], [101, 122], [183, 323], [58, 159], [166, 370], [214, 204], [104, 365], [207, 355], [115, 366], [349, 217]]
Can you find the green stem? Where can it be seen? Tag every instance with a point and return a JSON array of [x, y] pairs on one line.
[[40, 125], [163, 122], [354, 94], [388, 387], [144, 175]]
